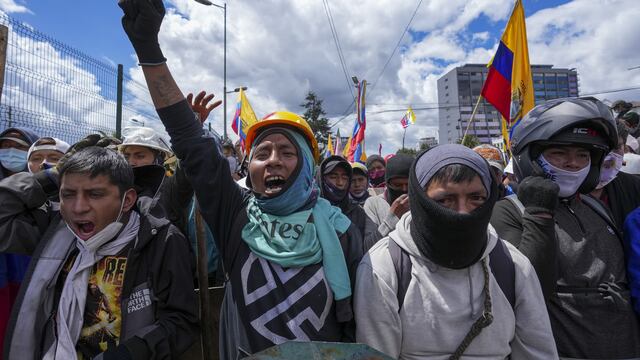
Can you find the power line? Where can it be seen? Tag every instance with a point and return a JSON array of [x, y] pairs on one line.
[[397, 46], [345, 114], [336, 40], [437, 107], [611, 91]]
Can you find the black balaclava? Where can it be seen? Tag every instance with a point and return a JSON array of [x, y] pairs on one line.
[[397, 166], [442, 235], [334, 195]]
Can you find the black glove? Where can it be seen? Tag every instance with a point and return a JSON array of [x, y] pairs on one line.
[[538, 195], [141, 22]]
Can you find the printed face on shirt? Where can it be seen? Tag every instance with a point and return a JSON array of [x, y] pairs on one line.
[[89, 204], [358, 184], [338, 177], [569, 158], [138, 155], [272, 163], [463, 197], [40, 157]]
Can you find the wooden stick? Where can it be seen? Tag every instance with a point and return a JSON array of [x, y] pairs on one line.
[[473, 114], [203, 284]]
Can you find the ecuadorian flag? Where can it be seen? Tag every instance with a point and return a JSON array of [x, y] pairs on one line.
[[354, 151], [509, 86], [244, 116]]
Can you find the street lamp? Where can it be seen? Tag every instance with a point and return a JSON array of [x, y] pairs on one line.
[[244, 88], [139, 122], [224, 99]]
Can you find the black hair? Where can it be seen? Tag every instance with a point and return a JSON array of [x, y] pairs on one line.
[[96, 161], [455, 173]]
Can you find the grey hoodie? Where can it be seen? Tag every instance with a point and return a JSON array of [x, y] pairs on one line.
[[441, 304]]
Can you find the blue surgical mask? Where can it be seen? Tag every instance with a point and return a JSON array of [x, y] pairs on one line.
[[13, 159]]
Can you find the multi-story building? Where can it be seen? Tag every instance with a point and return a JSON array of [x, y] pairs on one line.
[[459, 89], [427, 142]]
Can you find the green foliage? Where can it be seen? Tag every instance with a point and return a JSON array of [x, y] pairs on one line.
[[315, 116], [407, 151], [469, 141]]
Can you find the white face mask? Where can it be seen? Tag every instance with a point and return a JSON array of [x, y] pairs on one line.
[[610, 168], [103, 236], [568, 181]]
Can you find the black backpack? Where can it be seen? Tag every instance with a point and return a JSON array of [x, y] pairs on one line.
[[500, 262]]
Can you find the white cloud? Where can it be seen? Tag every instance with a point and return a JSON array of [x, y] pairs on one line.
[[11, 6], [282, 49]]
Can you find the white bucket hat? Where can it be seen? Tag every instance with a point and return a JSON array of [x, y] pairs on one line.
[[144, 136]]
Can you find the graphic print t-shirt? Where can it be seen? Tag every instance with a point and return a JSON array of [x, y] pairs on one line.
[[102, 318], [277, 304]]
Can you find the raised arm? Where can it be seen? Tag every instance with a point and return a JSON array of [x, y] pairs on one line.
[[220, 198], [532, 231]]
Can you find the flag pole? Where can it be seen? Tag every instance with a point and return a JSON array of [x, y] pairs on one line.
[[473, 114], [403, 134]]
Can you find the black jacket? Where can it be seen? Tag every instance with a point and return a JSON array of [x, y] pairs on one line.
[[265, 304], [175, 197], [159, 261], [368, 229], [579, 260], [622, 196]]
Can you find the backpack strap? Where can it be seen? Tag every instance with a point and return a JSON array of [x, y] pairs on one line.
[[500, 262], [503, 270], [597, 206], [515, 201], [402, 265]]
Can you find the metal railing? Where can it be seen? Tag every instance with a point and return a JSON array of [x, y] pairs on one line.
[[57, 90]]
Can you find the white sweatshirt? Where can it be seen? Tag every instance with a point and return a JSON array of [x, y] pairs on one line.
[[378, 209], [441, 304]]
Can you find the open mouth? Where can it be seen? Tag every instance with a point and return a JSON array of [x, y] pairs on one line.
[[85, 229], [274, 184]]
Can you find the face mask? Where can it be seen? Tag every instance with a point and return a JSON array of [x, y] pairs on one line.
[[607, 174], [568, 181], [332, 193], [103, 236], [376, 177], [13, 160], [393, 194]]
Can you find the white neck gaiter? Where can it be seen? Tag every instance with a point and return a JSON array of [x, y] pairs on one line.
[[568, 181], [70, 316]]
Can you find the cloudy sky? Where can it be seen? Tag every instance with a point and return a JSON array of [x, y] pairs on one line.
[[281, 49]]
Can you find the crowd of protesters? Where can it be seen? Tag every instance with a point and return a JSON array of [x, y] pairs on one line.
[[453, 253]]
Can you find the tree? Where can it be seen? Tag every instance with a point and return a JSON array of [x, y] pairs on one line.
[[315, 116], [469, 141], [407, 151]]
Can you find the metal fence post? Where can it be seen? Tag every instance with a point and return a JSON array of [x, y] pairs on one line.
[[4, 39], [119, 102]]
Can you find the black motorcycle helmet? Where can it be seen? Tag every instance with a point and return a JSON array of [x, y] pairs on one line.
[[584, 122]]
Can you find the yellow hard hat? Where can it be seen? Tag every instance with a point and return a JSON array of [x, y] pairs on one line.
[[283, 118]]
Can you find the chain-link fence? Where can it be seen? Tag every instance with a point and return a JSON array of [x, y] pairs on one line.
[[59, 91]]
